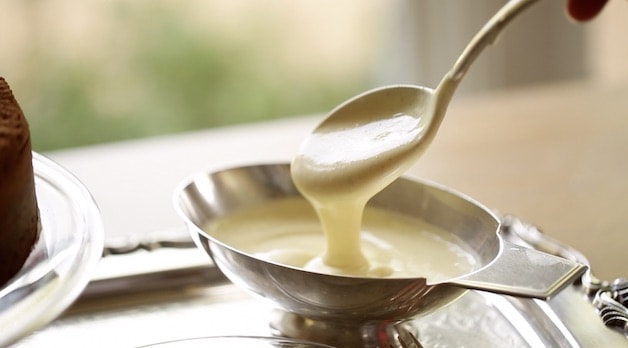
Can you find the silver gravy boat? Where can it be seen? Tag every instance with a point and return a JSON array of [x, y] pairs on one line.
[[360, 311]]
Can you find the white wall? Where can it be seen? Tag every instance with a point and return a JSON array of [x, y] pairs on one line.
[[427, 36], [607, 44]]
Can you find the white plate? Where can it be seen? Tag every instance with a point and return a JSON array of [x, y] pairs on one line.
[[238, 342], [69, 247]]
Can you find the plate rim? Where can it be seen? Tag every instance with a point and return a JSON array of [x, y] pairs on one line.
[[64, 290]]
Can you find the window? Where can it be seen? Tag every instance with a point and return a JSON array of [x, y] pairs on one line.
[[89, 72]]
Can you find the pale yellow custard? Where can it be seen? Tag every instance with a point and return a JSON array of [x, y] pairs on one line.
[[341, 167], [287, 231]]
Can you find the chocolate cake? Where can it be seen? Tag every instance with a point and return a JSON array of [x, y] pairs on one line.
[[19, 214]]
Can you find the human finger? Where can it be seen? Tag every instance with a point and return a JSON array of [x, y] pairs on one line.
[[584, 10]]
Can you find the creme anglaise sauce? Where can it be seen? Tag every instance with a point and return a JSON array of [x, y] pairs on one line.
[[288, 231]]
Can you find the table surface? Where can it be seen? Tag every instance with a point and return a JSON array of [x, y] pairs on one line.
[[555, 156]]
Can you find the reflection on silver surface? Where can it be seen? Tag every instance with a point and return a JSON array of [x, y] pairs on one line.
[[59, 266]]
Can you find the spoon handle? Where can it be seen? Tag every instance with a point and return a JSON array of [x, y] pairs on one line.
[[486, 36]]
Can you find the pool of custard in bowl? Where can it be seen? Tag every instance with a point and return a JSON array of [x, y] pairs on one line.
[[287, 231]]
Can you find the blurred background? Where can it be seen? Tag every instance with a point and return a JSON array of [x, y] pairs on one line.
[[88, 72]]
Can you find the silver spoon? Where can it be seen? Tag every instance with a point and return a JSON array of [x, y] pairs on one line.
[[378, 135]]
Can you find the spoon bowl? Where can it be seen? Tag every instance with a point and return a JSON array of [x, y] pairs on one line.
[[393, 122]]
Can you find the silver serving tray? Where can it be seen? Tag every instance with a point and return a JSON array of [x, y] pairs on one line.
[[195, 301]]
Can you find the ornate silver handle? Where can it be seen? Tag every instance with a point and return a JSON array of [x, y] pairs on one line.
[[609, 298], [175, 238], [611, 302]]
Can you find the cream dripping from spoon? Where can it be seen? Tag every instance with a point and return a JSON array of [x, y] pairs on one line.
[[369, 141]]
